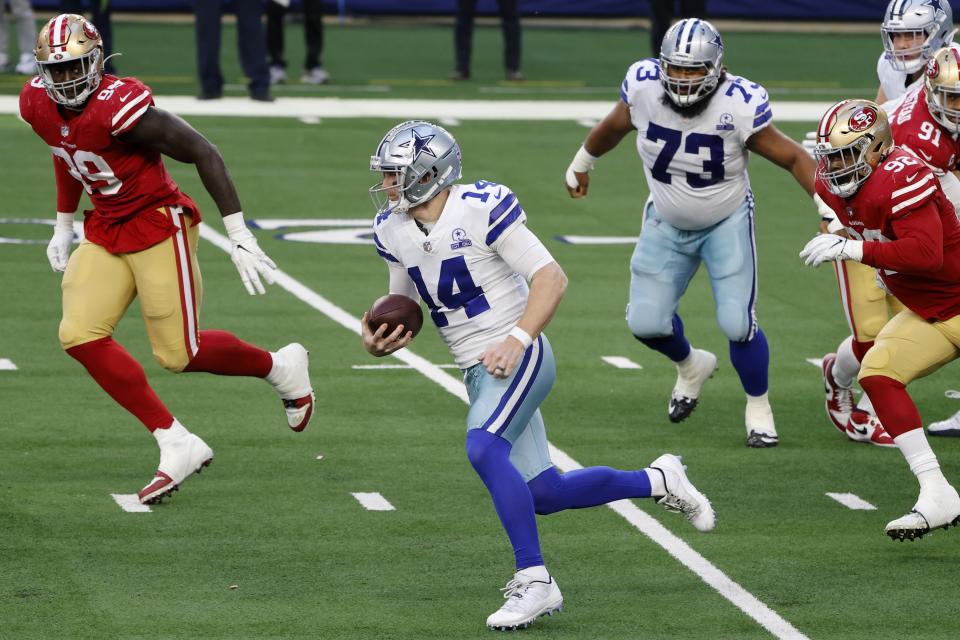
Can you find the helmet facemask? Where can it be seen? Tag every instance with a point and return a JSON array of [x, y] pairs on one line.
[[909, 59], [938, 99], [74, 91], [686, 91], [844, 169]]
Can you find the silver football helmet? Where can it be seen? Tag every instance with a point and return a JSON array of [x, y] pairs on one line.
[[425, 159], [928, 22], [691, 44]]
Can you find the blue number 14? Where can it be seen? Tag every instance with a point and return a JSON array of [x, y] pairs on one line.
[[453, 271]]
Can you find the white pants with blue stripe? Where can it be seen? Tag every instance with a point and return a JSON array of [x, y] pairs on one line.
[[666, 259], [510, 407]]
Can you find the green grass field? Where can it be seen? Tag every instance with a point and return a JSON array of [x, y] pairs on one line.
[[280, 525]]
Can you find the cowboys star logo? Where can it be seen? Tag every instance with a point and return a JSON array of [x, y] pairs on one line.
[[421, 144]]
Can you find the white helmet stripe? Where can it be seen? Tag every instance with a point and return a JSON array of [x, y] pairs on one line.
[[59, 31], [828, 116]]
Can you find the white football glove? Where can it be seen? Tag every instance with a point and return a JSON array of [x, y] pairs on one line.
[[809, 142], [825, 247], [58, 249], [247, 256]]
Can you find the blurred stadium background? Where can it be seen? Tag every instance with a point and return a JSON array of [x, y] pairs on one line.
[[270, 543]]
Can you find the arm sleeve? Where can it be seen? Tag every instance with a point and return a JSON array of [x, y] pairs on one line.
[[919, 245], [69, 188], [401, 283], [523, 252]]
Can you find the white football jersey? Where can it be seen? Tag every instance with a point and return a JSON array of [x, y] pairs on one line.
[[893, 83], [475, 297], [696, 168]]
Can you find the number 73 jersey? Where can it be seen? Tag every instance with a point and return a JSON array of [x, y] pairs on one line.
[[474, 296], [696, 167]]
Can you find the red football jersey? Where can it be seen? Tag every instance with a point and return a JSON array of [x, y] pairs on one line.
[[917, 131], [126, 184], [900, 185]]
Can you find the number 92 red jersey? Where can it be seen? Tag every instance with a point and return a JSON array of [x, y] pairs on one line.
[[127, 184]]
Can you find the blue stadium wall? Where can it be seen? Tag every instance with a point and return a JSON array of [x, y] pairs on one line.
[[859, 10]]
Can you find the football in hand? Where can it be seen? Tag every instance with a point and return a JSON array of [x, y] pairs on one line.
[[392, 310]]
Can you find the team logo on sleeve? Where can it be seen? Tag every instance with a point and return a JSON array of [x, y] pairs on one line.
[[726, 122], [460, 239], [863, 118]]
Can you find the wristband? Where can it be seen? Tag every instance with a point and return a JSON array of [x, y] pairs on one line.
[[64, 219], [583, 161], [234, 223], [834, 226], [522, 336]]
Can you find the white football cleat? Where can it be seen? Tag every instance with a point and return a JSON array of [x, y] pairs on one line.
[[683, 399], [937, 507], [839, 400], [181, 454], [278, 75], [864, 427], [317, 75], [290, 377], [949, 427], [528, 598], [682, 496], [761, 430]]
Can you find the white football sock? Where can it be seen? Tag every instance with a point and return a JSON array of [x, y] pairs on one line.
[[174, 432], [538, 572], [758, 402], [686, 366], [658, 484], [846, 367], [923, 462], [864, 404]]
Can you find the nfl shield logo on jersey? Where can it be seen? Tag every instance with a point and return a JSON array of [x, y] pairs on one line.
[[427, 246], [460, 239], [64, 131]]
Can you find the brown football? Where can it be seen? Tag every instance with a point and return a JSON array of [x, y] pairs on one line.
[[395, 309]]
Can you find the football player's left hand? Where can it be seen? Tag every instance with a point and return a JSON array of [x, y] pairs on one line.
[[501, 359], [247, 256], [827, 246], [58, 249]]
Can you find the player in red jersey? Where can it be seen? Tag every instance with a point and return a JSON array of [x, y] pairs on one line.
[[898, 220], [107, 138]]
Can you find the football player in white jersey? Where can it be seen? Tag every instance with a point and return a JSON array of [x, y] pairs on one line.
[[491, 287], [696, 125], [912, 32]]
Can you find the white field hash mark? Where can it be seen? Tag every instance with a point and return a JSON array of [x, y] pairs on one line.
[[646, 524], [852, 501], [130, 502], [373, 501], [6, 364], [620, 362]]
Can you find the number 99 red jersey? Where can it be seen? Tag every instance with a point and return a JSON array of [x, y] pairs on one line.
[[128, 185]]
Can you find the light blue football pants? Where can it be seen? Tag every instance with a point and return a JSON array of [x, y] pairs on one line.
[[510, 407], [666, 258]]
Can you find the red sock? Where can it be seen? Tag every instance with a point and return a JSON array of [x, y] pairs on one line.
[[123, 378], [225, 354], [892, 403], [860, 349]]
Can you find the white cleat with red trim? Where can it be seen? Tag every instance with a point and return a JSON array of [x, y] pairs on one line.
[[181, 454], [290, 377], [839, 400]]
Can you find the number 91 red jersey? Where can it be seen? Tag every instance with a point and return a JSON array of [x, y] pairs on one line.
[[128, 185]]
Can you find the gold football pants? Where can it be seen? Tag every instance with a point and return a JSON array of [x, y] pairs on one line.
[[909, 347], [99, 286], [866, 306]]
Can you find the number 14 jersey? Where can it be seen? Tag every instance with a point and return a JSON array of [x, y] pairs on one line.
[[475, 297], [696, 167]]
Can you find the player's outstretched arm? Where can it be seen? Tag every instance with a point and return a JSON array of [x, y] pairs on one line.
[[773, 145], [606, 135], [170, 135]]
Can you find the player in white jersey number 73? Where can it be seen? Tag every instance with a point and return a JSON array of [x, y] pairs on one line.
[[491, 287], [696, 125]]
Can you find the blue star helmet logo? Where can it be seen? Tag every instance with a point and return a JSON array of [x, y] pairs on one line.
[[717, 41], [421, 144]]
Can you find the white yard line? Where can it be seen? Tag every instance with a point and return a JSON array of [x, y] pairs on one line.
[[531, 110], [373, 501], [130, 503], [369, 367], [852, 501], [726, 587], [620, 362]]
